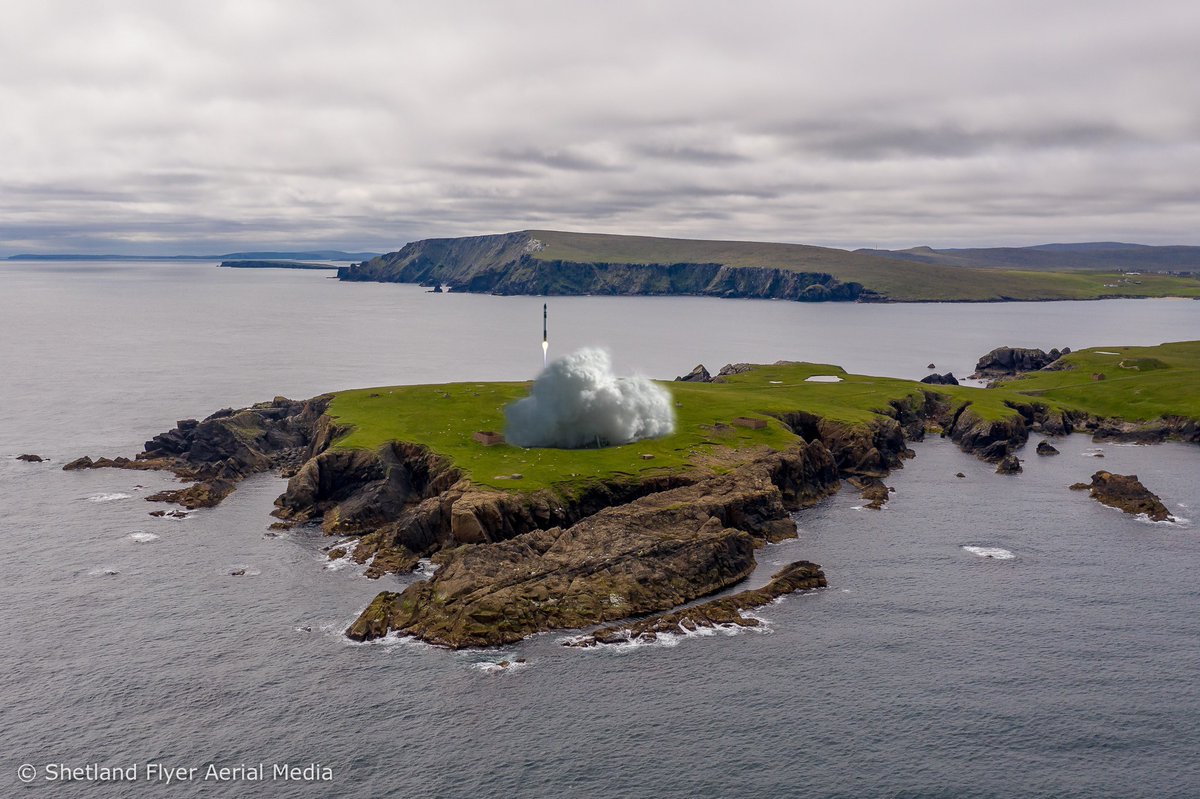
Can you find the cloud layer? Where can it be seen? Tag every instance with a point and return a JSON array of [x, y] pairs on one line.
[[145, 126], [577, 401]]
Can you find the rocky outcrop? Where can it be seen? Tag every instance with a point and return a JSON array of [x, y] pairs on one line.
[[652, 554], [1174, 428], [1008, 361], [863, 450], [989, 439], [30, 458], [1045, 448], [506, 264], [1009, 464], [1125, 492], [874, 492], [698, 375], [226, 447], [947, 379], [799, 576]]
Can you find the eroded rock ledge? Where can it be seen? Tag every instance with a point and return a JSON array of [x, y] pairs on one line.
[[799, 576], [228, 446], [648, 555]]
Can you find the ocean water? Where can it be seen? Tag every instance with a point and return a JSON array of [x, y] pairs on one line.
[[1063, 665]]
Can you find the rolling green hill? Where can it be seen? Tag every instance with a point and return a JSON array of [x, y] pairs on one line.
[[558, 263]]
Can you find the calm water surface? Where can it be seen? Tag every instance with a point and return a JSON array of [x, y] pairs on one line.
[[1068, 669]]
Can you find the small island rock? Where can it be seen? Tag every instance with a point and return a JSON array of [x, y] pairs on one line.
[[1125, 492]]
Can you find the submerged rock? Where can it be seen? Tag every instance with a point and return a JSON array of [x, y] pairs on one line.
[[1125, 492], [28, 458]]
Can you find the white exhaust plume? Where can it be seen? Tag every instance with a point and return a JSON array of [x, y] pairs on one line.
[[578, 402]]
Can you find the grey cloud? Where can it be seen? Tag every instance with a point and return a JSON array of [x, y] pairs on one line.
[[138, 125]]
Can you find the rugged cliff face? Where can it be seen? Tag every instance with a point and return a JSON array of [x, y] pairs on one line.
[[654, 553], [504, 264]]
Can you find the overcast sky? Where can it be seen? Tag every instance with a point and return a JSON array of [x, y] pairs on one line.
[[209, 126]]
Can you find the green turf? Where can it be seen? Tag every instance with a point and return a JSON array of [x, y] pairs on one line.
[[444, 417], [1140, 383], [897, 280]]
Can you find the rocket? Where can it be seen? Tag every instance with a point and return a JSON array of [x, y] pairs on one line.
[[545, 338]]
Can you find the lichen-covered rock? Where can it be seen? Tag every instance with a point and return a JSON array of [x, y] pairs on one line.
[[1126, 492]]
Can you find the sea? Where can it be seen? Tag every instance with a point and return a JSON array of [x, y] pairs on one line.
[[982, 636]]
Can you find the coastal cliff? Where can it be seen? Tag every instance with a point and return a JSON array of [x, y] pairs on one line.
[[506, 264], [550, 262], [534, 540]]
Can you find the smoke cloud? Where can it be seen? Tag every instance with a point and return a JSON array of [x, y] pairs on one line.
[[577, 402]]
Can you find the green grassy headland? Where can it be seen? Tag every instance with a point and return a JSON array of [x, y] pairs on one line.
[[1141, 383], [897, 280]]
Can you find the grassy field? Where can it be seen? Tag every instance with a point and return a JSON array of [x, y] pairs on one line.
[[1141, 383], [444, 417], [898, 280]]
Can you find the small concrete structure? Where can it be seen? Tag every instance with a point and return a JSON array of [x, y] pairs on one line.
[[488, 438], [753, 424]]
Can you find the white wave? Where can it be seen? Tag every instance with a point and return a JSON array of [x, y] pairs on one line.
[[246, 571], [113, 497], [673, 638], [102, 571], [1106, 352], [337, 564], [823, 379], [995, 553], [426, 568], [142, 538], [1173, 521]]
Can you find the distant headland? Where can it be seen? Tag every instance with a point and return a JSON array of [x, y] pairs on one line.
[[299, 255], [547, 262]]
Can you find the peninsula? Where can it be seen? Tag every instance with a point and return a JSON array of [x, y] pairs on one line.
[[555, 262], [529, 540]]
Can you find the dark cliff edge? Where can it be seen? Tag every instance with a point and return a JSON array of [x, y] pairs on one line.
[[504, 264]]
